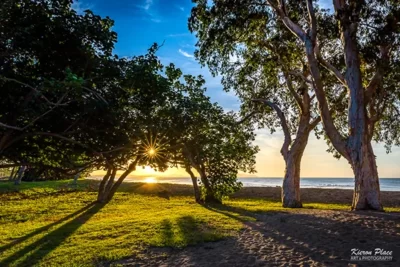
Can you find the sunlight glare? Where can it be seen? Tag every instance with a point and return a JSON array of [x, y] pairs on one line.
[[150, 180], [152, 151]]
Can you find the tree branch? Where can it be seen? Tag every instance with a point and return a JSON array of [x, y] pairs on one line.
[[330, 67], [380, 72], [313, 21], [293, 92], [248, 116], [293, 27], [334, 135], [315, 122], [10, 127], [33, 89], [301, 76], [285, 127]]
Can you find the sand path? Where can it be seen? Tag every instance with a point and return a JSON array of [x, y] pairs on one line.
[[293, 238]]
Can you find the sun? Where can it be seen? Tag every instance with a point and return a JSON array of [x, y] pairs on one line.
[[151, 152], [150, 180]]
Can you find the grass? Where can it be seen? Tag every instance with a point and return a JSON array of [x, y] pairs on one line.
[[53, 224]]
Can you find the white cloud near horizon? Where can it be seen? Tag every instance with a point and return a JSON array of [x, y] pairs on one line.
[[185, 54]]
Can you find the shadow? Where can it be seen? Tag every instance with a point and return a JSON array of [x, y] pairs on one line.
[[154, 188], [43, 246], [43, 229], [167, 234], [303, 237], [328, 239], [237, 213]]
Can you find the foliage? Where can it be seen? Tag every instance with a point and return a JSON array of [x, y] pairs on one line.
[[237, 40], [211, 141], [51, 59]]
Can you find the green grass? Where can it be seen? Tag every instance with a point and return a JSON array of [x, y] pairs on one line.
[[39, 226], [50, 224]]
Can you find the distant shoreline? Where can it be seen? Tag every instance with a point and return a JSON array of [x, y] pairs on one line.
[[386, 184], [308, 195]]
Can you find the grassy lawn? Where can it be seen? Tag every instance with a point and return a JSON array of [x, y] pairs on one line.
[[43, 224]]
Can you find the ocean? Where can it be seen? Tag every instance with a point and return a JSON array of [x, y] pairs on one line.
[[386, 184]]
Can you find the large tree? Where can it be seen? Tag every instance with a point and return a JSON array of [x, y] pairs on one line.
[[51, 60], [211, 142], [358, 45], [264, 67]]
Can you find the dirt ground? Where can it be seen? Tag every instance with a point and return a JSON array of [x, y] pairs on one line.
[[293, 238]]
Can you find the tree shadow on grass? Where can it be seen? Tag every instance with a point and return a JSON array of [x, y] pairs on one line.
[[187, 231], [237, 213], [46, 244], [43, 229]]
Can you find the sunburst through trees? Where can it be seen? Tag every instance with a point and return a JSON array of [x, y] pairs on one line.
[[153, 147]]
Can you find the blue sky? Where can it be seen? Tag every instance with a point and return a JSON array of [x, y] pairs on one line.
[[140, 23]]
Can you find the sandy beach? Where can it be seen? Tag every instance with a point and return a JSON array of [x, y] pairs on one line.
[[293, 237]]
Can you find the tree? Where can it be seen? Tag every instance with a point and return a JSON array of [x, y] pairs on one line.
[[211, 142], [369, 34], [362, 38], [262, 66], [50, 61], [138, 129]]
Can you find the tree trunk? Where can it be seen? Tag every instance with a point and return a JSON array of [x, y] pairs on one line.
[[108, 188], [114, 188], [209, 196], [20, 174], [366, 189], [11, 174], [196, 188], [291, 181], [76, 177], [100, 194]]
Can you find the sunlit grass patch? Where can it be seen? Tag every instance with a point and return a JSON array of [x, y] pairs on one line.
[[67, 229]]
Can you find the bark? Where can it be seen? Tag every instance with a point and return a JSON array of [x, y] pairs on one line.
[[196, 188], [11, 174], [76, 176], [209, 193], [362, 158], [291, 180], [209, 197], [111, 180], [100, 194], [108, 188], [21, 171], [291, 183], [357, 148], [366, 194], [114, 188]]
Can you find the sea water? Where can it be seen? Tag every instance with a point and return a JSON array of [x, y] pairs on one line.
[[386, 184]]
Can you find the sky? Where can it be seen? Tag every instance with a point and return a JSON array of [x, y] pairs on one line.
[[140, 23]]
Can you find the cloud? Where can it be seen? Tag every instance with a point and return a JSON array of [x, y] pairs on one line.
[[185, 54], [181, 8], [179, 35], [155, 20], [148, 4], [80, 7]]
